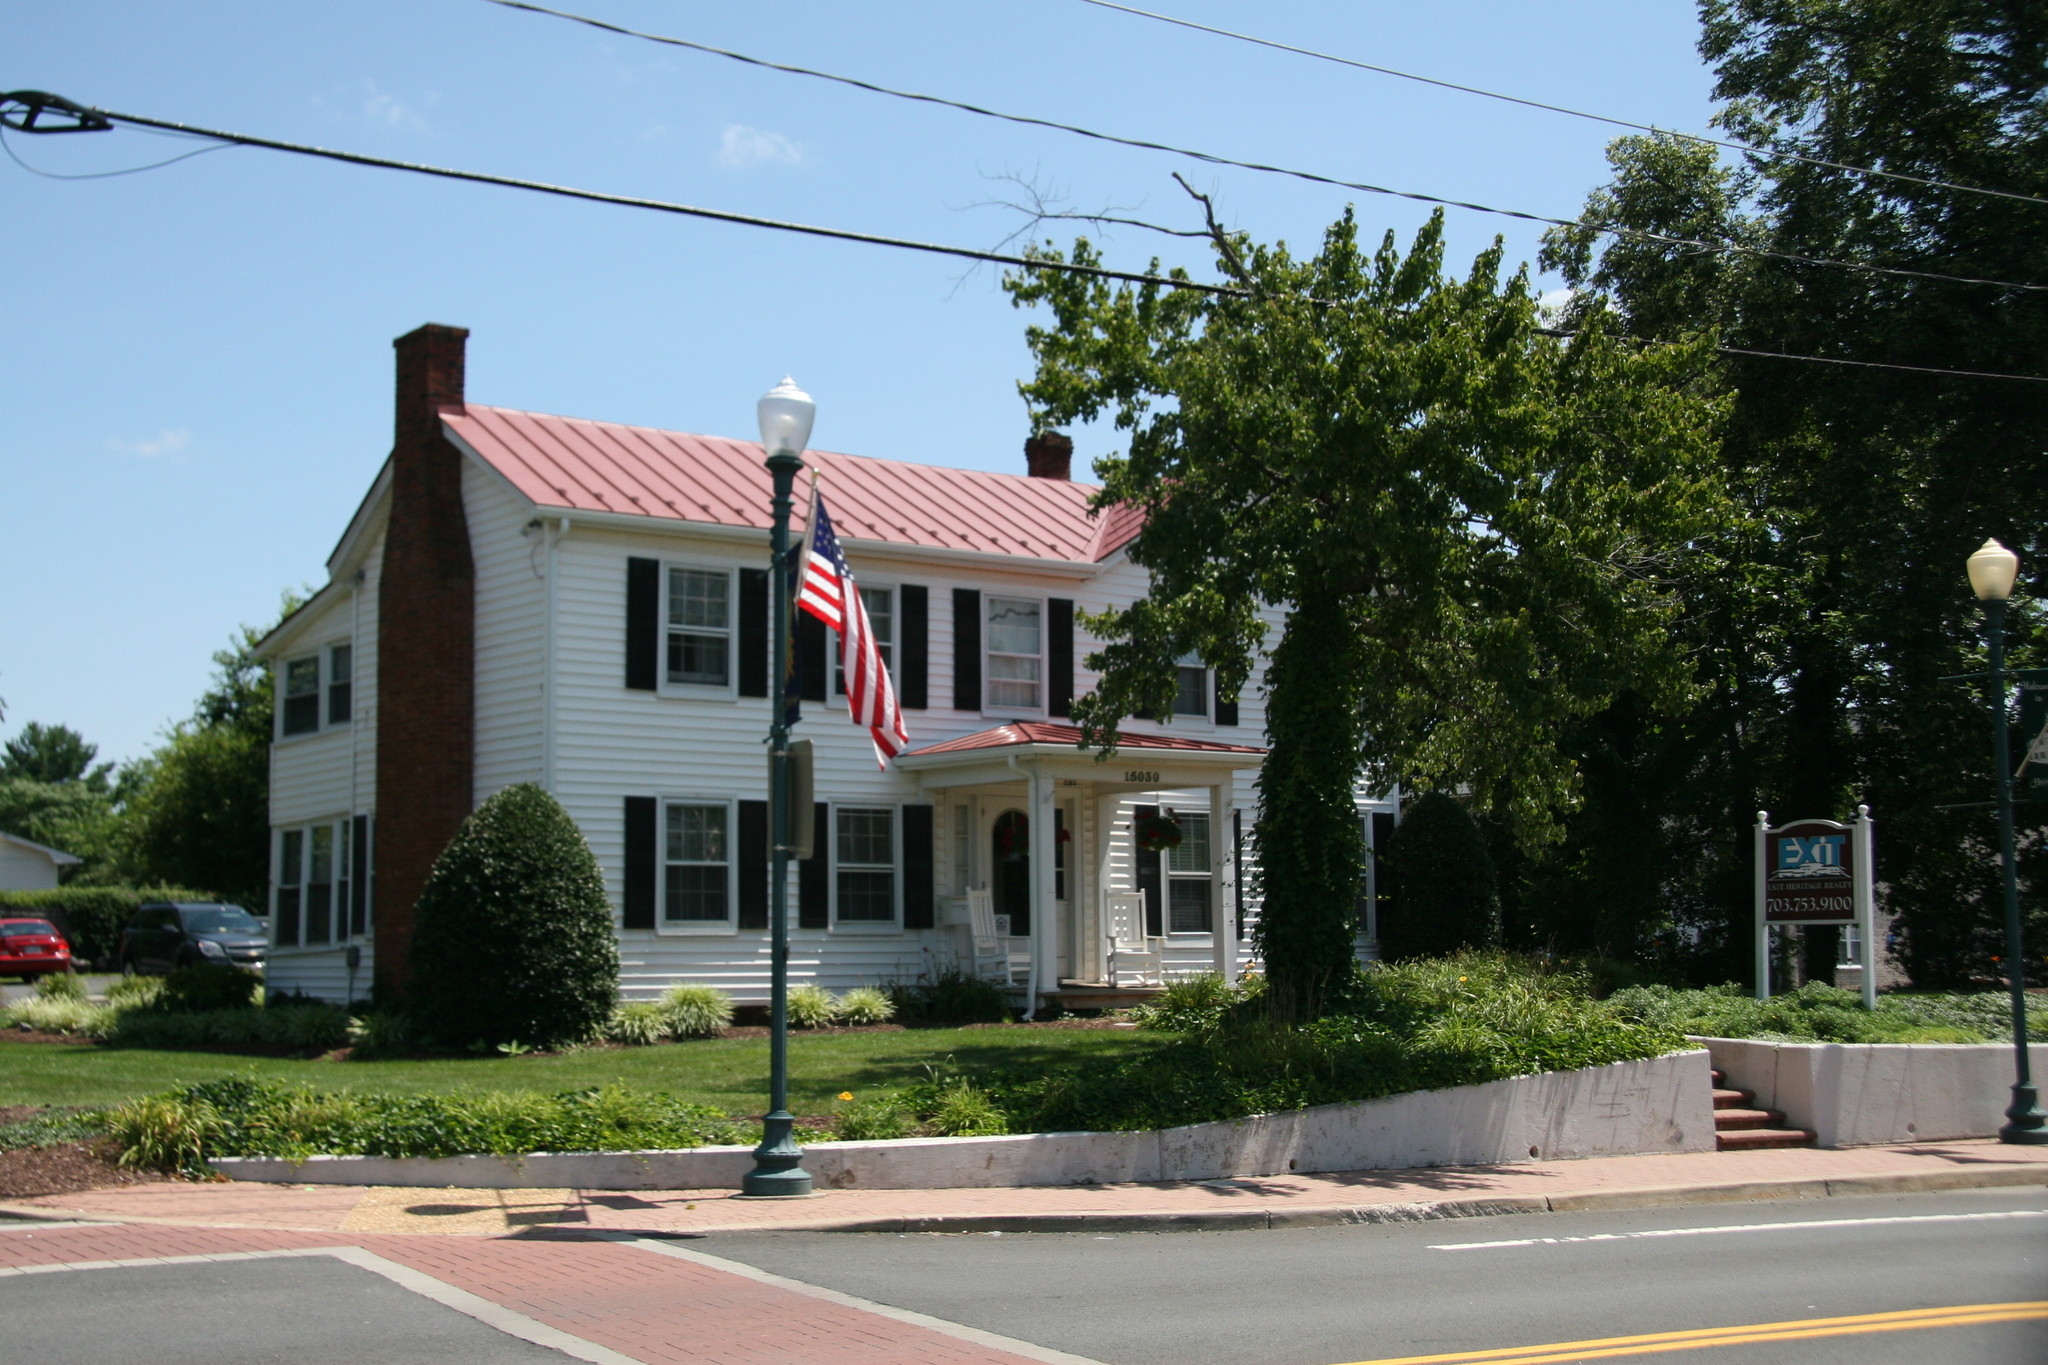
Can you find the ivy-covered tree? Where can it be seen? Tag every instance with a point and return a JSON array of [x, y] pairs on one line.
[[1842, 605], [1469, 525]]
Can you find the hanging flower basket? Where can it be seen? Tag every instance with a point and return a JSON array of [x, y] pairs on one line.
[[1158, 833]]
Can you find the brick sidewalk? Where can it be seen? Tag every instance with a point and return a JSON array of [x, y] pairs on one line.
[[1270, 1201]]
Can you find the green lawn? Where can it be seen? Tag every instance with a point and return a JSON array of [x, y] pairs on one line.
[[730, 1073]]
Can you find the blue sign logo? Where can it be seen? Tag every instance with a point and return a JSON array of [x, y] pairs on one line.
[[1811, 856]]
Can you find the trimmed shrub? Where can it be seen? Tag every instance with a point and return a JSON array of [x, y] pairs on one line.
[[638, 1024], [1817, 1012], [91, 918], [866, 1005], [1447, 900], [513, 938], [380, 1033], [811, 1007], [950, 997], [302, 1025], [696, 1011], [60, 986], [207, 986]]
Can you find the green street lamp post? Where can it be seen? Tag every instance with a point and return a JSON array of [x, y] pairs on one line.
[[785, 413], [1992, 571]]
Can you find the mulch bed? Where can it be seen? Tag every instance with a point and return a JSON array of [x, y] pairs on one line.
[[65, 1168], [16, 1035]]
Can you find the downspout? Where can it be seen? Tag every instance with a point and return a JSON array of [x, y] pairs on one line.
[[548, 651]]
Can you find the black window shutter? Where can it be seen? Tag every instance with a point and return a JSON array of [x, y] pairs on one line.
[[1385, 876], [919, 908], [1149, 881], [638, 911], [753, 642], [1226, 711], [1237, 865], [752, 848], [966, 649], [1059, 656], [814, 877], [813, 657], [643, 623], [359, 876], [913, 646]]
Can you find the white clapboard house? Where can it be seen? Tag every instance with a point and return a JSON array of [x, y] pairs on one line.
[[584, 605]]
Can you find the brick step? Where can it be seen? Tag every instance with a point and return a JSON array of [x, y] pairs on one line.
[[1733, 1099], [1751, 1139], [1730, 1120]]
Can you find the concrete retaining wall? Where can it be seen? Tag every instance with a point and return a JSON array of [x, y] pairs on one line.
[[1660, 1105], [1854, 1094]]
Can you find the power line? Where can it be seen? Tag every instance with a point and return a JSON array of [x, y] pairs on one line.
[[1727, 143], [8, 147], [1613, 230], [37, 101]]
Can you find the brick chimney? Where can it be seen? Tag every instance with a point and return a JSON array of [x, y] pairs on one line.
[[426, 647], [1050, 455]]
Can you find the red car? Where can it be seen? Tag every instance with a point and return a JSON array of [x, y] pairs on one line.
[[30, 948]]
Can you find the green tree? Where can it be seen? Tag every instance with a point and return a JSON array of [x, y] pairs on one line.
[[1448, 894], [1825, 644], [1470, 527], [53, 753], [513, 937]]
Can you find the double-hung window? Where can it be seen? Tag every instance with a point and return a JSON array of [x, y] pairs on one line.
[[340, 683], [697, 857], [700, 627], [300, 713], [866, 864], [311, 895], [1192, 696], [881, 608], [1187, 878], [1016, 653]]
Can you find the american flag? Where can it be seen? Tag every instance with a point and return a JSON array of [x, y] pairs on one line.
[[828, 593]]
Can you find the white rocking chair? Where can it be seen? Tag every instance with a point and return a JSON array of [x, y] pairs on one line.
[[993, 957], [1124, 912]]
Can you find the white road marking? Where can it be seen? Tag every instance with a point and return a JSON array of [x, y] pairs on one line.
[[1742, 1227]]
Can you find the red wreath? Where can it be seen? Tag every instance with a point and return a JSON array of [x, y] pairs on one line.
[[1158, 833]]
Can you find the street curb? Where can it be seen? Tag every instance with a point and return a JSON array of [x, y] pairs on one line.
[[1481, 1206]]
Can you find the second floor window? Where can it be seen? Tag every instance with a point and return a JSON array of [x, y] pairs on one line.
[[1016, 648], [1192, 698], [340, 683], [699, 627], [300, 714]]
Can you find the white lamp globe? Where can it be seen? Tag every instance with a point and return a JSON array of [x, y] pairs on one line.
[[785, 413], [1992, 571]]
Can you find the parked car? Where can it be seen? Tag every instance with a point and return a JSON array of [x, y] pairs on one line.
[[165, 935], [30, 948]]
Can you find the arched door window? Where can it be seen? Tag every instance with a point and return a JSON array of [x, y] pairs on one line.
[[1011, 863]]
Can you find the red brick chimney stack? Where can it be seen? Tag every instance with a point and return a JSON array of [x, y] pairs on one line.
[[1050, 455], [426, 647]]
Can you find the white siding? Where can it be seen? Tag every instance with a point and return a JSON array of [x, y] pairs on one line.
[[24, 869], [511, 599]]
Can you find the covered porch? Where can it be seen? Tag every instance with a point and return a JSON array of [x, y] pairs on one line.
[[1046, 828]]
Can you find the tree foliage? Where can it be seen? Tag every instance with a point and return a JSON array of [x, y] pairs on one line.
[[1449, 900], [1471, 527], [53, 754], [513, 937], [1840, 605]]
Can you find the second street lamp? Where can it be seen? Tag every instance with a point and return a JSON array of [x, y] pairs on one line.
[[1992, 571], [785, 414]]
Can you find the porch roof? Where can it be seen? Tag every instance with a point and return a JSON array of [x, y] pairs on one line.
[[1050, 745]]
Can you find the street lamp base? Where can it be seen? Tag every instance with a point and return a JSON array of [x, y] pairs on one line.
[[2028, 1126], [778, 1162]]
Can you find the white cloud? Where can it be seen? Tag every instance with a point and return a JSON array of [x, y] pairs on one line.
[[381, 106], [744, 146], [164, 443], [1550, 308]]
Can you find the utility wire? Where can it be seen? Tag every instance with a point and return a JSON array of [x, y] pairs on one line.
[[1640, 234], [872, 239], [1732, 145], [15, 157]]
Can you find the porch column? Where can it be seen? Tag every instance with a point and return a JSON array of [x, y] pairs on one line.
[[1223, 914], [1044, 932]]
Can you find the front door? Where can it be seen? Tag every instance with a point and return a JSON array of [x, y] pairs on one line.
[[1010, 869]]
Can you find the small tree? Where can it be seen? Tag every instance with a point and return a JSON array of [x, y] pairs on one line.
[[1448, 899], [513, 938]]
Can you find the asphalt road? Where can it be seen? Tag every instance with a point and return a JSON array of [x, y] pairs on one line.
[[1319, 1296]]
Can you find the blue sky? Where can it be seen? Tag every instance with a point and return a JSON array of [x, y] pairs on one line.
[[198, 375]]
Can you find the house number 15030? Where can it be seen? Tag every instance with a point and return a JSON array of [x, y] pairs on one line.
[[1140, 775]]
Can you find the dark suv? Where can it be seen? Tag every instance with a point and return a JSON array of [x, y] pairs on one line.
[[165, 935]]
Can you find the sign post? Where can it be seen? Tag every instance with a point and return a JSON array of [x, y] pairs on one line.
[[1816, 872]]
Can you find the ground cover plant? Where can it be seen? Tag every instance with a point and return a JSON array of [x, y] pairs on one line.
[[1817, 1012]]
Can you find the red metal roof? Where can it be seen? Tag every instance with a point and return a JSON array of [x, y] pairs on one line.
[[587, 466], [1052, 732]]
